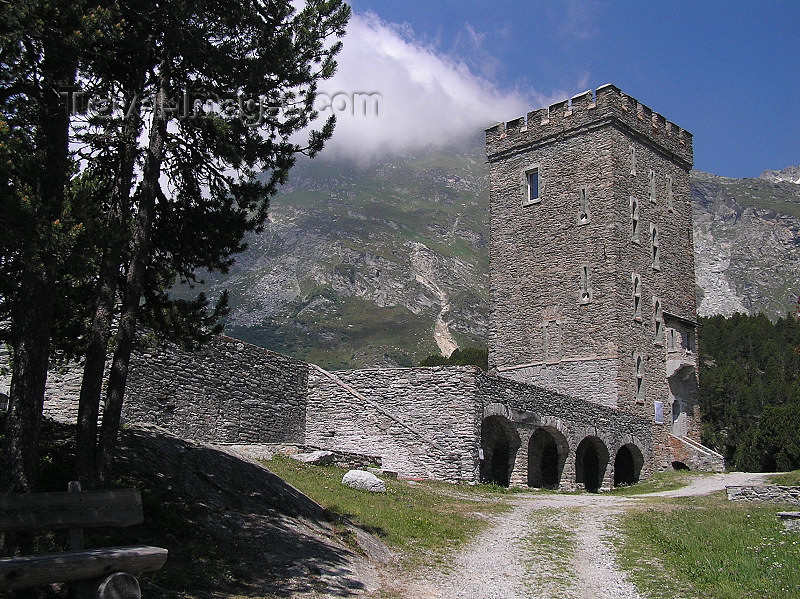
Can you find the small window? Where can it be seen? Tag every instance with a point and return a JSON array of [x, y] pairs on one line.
[[672, 341], [638, 361], [670, 202], [634, 220], [636, 281], [586, 288], [652, 176], [687, 337], [583, 206], [655, 250], [533, 186], [658, 316], [632, 154]]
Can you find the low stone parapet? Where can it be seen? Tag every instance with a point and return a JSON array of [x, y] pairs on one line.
[[772, 493]]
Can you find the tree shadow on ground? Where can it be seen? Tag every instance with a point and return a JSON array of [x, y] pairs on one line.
[[232, 528]]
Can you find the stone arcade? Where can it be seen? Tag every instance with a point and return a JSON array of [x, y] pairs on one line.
[[592, 335]]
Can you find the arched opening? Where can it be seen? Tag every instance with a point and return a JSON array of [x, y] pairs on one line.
[[499, 443], [591, 461], [679, 466], [627, 465], [547, 452]]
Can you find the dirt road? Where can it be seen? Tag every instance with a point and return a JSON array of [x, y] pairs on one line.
[[504, 563]]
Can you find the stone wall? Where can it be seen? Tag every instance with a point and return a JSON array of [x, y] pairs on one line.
[[227, 392], [61, 393], [772, 493], [419, 422], [595, 379]]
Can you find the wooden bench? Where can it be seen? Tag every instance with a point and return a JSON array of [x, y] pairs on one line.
[[104, 573]]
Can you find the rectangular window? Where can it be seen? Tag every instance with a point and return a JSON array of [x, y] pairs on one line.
[[533, 186], [672, 343], [688, 339]]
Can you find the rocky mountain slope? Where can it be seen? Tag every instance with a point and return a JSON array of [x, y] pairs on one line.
[[389, 263], [369, 266], [747, 249]]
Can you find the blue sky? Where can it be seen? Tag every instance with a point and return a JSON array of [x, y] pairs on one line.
[[729, 72]]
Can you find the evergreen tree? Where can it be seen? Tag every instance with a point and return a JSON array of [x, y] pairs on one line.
[[261, 62]]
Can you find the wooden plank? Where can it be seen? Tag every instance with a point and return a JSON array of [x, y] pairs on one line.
[[31, 571], [56, 511]]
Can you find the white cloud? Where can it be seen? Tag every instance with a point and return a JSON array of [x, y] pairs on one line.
[[427, 99]]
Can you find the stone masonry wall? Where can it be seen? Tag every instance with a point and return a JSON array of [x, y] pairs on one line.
[[772, 493], [585, 378], [227, 392], [538, 251], [420, 422]]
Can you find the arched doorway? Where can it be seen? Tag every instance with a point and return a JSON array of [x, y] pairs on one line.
[[591, 461], [547, 451], [627, 465], [499, 444]]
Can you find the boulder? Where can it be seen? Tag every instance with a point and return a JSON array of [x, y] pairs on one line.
[[319, 457], [366, 481]]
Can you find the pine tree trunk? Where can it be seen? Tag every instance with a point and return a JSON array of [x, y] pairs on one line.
[[33, 311], [93, 369], [31, 348], [132, 292], [97, 347]]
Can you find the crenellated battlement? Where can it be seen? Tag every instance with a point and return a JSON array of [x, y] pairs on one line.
[[607, 103]]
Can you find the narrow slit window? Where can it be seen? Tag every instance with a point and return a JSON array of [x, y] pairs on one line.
[[653, 186], [583, 206], [670, 199], [533, 186], [672, 340], [658, 314], [586, 289], [639, 369], [632, 154], [655, 250], [636, 281], [634, 220]]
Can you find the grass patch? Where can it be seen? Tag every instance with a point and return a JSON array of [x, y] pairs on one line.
[[669, 480], [553, 541], [426, 520], [791, 479], [716, 548]]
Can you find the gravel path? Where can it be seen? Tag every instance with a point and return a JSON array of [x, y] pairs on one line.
[[491, 567], [503, 563]]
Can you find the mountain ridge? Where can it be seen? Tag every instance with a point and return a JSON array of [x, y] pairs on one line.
[[385, 264]]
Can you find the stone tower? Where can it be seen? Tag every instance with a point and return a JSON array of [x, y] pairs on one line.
[[592, 286]]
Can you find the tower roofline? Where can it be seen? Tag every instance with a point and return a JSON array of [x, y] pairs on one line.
[[606, 105]]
